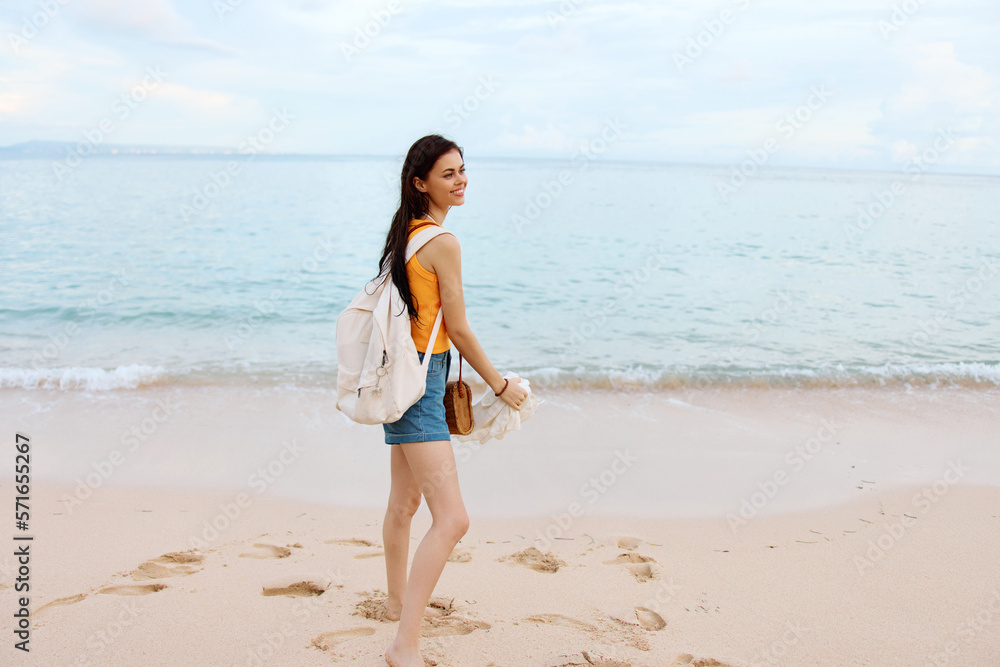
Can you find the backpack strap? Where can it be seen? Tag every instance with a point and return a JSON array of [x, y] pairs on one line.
[[418, 241], [432, 340], [414, 244], [422, 225]]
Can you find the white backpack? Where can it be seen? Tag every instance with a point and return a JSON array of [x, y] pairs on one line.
[[379, 375]]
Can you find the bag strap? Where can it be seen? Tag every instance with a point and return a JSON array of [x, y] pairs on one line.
[[418, 241], [422, 225], [430, 343]]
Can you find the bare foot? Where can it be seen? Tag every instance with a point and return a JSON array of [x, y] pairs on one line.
[[437, 607], [393, 609], [397, 657]]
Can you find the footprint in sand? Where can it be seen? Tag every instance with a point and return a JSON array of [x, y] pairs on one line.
[[355, 542], [564, 621], [629, 543], [151, 569], [688, 660], [439, 619], [268, 551], [588, 659], [647, 619], [296, 586], [629, 557], [439, 606], [61, 602], [190, 556], [534, 559], [373, 607], [446, 626], [144, 589], [173, 564], [328, 640], [642, 572], [460, 556], [352, 542]]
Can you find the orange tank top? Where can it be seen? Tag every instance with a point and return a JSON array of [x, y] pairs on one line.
[[424, 288]]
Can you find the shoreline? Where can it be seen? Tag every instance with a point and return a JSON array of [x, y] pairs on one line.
[[816, 587], [943, 376], [678, 453]]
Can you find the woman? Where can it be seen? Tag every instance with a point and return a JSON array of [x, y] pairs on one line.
[[423, 463]]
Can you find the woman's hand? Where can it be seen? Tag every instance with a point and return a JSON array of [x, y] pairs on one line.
[[514, 394]]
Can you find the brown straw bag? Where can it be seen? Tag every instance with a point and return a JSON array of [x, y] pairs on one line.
[[458, 404]]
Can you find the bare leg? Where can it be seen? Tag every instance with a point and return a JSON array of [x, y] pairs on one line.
[[433, 468], [404, 499]]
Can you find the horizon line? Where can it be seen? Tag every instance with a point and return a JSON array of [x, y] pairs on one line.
[[176, 151]]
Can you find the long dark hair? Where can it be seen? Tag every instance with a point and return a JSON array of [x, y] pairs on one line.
[[413, 203]]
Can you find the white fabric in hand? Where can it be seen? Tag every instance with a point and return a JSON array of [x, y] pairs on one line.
[[493, 418]]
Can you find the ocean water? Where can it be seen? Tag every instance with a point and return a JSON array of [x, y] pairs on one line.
[[132, 272]]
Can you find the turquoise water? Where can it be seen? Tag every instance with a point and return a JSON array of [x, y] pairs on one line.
[[137, 271]]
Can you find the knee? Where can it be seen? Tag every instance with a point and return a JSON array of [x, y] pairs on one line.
[[455, 525], [403, 509], [462, 527]]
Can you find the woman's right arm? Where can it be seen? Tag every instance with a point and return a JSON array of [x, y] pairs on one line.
[[444, 257]]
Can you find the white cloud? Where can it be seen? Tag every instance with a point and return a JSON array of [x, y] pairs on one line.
[[38, 81], [157, 20], [557, 82], [942, 92], [942, 77], [12, 103], [193, 99], [148, 16]]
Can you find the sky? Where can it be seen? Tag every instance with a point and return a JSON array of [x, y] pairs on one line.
[[856, 84]]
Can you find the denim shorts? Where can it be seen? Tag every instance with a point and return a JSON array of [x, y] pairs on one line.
[[425, 420]]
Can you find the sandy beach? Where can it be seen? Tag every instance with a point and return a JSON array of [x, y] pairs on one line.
[[851, 527], [289, 583]]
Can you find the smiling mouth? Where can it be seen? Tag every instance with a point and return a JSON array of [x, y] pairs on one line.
[[459, 192]]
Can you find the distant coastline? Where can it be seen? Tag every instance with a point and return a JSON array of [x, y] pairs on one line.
[[56, 150]]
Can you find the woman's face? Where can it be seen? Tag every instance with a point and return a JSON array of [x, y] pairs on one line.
[[445, 184]]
